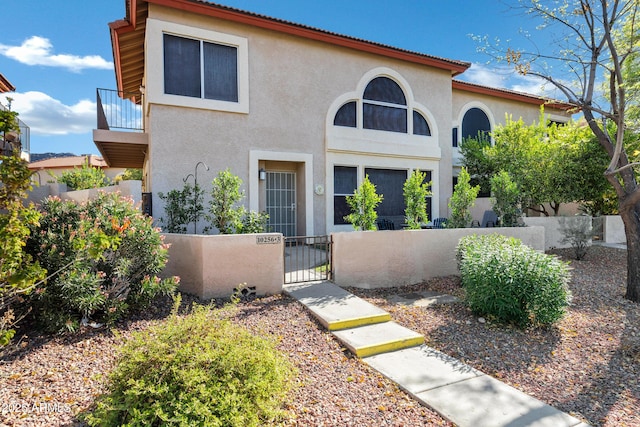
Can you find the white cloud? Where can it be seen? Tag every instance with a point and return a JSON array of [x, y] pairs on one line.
[[47, 116], [487, 76], [506, 78], [38, 51]]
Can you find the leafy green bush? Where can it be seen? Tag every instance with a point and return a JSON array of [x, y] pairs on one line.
[[182, 208], [511, 282], [130, 174], [200, 369], [416, 191], [103, 255], [505, 199], [363, 205], [577, 232], [224, 213], [18, 270], [84, 178], [462, 200]]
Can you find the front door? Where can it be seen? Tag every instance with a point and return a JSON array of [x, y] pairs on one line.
[[281, 202]]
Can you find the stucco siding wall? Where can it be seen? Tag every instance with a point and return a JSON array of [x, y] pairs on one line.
[[292, 84], [215, 266], [377, 259]]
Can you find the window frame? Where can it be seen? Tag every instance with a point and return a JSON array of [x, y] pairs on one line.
[[155, 66], [342, 195]]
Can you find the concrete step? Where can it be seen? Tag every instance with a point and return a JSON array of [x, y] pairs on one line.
[[370, 340], [334, 307], [463, 395]]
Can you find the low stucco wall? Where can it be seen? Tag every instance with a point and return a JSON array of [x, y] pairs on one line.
[[613, 229], [551, 224], [131, 189], [378, 259], [214, 266]]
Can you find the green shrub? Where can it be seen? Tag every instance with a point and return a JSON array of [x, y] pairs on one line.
[[182, 208], [200, 369], [505, 199], [578, 232], [416, 191], [363, 205], [512, 283], [18, 270], [103, 256], [226, 214], [84, 178], [462, 201]]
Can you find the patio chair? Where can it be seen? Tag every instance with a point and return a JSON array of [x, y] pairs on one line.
[[440, 223], [489, 219], [385, 224]]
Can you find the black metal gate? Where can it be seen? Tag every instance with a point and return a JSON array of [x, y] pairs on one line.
[[307, 258]]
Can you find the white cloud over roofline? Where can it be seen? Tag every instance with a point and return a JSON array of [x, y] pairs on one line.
[[47, 116], [39, 51]]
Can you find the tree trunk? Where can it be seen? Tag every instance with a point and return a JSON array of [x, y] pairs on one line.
[[631, 220]]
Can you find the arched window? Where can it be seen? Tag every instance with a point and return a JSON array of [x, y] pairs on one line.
[[346, 115], [420, 125], [475, 122], [384, 106]]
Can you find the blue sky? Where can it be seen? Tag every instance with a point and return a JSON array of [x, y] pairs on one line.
[[57, 56]]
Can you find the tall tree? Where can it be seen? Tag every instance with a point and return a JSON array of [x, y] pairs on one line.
[[599, 41]]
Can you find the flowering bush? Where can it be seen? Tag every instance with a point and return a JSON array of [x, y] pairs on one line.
[[103, 256]]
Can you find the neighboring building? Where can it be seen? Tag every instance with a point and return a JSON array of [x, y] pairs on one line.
[[13, 140], [47, 170], [300, 114]]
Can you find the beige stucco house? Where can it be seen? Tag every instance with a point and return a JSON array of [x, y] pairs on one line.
[[300, 114]]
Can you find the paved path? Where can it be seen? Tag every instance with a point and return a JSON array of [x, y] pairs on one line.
[[461, 394]]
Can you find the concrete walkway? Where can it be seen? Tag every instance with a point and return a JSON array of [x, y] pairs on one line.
[[461, 394]]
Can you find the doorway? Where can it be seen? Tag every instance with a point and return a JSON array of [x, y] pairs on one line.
[[281, 202]]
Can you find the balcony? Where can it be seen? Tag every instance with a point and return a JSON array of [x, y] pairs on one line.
[[21, 139], [120, 135]]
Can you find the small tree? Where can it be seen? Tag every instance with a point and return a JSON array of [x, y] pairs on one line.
[[84, 178], [130, 174], [463, 199], [578, 233], [363, 205], [416, 191], [225, 194], [182, 208], [505, 199]]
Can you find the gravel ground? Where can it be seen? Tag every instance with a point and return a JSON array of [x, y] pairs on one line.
[[588, 365]]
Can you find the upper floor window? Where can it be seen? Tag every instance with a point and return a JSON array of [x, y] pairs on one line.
[[200, 69], [474, 123], [420, 125], [196, 68], [384, 106], [346, 115]]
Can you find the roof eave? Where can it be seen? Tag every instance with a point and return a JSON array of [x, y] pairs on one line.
[[512, 95]]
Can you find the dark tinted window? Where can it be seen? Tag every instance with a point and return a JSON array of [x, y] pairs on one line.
[[420, 125], [181, 66], [184, 72], [220, 72], [345, 181], [383, 89], [389, 183], [381, 117], [475, 122], [346, 115]]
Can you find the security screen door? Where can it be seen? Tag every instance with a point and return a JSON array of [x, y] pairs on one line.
[[281, 202]]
